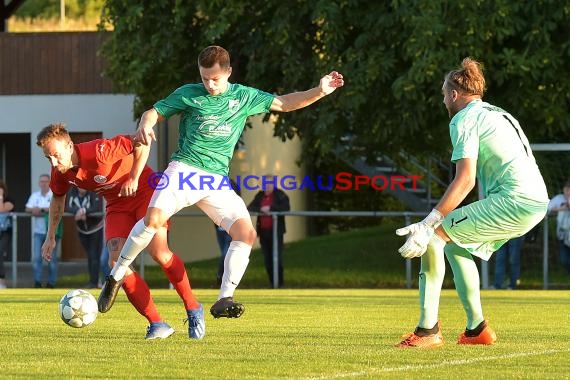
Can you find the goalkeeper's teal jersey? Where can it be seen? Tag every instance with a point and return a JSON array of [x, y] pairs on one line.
[[505, 163], [210, 125]]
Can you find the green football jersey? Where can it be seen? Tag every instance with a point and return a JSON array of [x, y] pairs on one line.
[[505, 163], [210, 125]]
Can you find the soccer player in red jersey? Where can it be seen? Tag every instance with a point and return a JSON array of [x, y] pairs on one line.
[[116, 169]]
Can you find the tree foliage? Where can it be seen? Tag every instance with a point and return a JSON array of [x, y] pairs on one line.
[[393, 55]]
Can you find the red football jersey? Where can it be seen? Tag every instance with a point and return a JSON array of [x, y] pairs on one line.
[[104, 165]]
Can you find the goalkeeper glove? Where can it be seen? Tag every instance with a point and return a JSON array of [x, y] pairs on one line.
[[419, 235]]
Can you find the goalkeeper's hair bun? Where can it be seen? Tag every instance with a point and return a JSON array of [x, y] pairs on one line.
[[469, 79]]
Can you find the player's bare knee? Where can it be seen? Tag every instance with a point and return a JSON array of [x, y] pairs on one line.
[[251, 236], [114, 245], [246, 235], [243, 231], [154, 219], [161, 256]]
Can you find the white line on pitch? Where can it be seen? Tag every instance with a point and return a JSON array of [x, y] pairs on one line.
[[371, 371]]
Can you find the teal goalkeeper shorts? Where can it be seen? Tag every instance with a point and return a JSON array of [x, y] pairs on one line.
[[482, 227]]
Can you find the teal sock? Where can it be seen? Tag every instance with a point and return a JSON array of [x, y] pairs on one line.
[[466, 278], [432, 272]]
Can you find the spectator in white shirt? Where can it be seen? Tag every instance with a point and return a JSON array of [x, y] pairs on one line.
[[38, 206], [559, 204]]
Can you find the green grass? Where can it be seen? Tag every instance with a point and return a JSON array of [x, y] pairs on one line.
[[345, 329], [364, 258], [287, 334]]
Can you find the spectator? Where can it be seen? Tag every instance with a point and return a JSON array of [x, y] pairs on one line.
[[83, 204], [38, 206], [104, 262], [224, 240], [265, 201], [6, 206], [559, 204], [510, 252]]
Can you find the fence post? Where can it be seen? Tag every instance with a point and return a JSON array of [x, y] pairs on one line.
[[14, 250], [408, 261], [545, 254], [275, 252]]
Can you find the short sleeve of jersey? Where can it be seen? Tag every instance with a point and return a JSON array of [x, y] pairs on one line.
[[179, 100], [58, 184], [258, 101], [464, 136], [113, 149]]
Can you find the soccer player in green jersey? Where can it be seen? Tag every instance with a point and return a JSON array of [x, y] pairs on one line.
[[490, 146], [213, 116]]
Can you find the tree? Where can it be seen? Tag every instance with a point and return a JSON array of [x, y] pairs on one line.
[[393, 55]]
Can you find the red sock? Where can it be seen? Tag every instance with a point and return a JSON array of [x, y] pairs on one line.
[[176, 273], [138, 294]]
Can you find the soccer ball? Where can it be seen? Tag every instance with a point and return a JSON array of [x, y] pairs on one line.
[[78, 308]]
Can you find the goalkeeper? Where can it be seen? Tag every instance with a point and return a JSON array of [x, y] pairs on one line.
[[490, 146]]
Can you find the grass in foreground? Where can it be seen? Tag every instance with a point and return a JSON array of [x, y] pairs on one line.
[[286, 334]]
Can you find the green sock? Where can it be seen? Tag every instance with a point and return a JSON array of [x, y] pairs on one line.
[[432, 271], [466, 278]]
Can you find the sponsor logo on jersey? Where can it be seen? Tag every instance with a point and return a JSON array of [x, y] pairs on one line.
[[456, 222], [233, 105], [211, 128], [100, 178]]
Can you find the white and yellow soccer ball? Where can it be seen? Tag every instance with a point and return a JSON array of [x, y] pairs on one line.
[[78, 308]]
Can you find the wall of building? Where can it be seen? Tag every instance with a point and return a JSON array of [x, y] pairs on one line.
[[22, 117], [263, 154], [106, 113]]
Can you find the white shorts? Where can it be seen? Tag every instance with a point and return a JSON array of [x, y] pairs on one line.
[[183, 185]]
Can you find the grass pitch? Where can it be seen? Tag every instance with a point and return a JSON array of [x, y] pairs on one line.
[[286, 334]]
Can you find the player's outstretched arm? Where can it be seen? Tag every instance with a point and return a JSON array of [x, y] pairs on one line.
[[145, 133], [56, 209], [301, 99]]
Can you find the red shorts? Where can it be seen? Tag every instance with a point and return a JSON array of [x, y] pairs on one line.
[[121, 216]]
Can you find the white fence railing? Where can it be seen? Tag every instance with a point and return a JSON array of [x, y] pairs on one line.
[[407, 216]]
